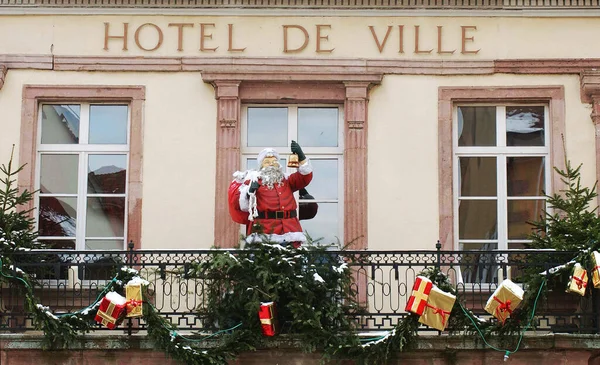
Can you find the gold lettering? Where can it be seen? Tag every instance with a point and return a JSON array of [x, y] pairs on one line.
[[286, 49], [439, 47], [401, 42], [204, 36], [465, 39], [231, 49], [380, 45], [180, 33], [417, 51], [158, 31], [108, 37], [320, 37]]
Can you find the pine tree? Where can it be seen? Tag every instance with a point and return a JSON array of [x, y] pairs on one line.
[[569, 223], [17, 227]]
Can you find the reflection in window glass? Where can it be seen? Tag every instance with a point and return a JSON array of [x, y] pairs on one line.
[[57, 216], [58, 174], [105, 217], [477, 219], [107, 174], [60, 124], [104, 244], [318, 127], [324, 184], [477, 176], [108, 124], [323, 228], [519, 213], [525, 176], [524, 125], [58, 244], [477, 126], [267, 127]]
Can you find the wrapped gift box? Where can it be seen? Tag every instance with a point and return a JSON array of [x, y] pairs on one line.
[[578, 281], [505, 300], [111, 308], [437, 309], [267, 314], [596, 269], [133, 294], [420, 293]]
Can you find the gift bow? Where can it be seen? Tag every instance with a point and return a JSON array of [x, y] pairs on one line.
[[132, 303], [580, 282], [439, 311], [503, 307]]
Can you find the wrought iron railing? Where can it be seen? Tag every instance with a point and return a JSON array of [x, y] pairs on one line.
[[71, 280]]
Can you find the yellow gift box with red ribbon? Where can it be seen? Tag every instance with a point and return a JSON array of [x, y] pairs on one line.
[[133, 293], [438, 308], [596, 269], [505, 300], [578, 281]]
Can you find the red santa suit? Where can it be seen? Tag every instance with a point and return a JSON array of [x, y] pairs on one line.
[[275, 209]]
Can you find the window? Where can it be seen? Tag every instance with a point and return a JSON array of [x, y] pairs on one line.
[[82, 172], [319, 131], [501, 166]]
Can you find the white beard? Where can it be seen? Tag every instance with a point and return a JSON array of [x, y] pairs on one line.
[[271, 175]]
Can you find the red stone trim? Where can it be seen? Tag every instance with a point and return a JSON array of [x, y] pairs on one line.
[[447, 96], [234, 86], [135, 95], [590, 93], [38, 62], [3, 72]]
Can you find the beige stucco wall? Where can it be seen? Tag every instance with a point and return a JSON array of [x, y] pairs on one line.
[[403, 162], [179, 148], [262, 36]]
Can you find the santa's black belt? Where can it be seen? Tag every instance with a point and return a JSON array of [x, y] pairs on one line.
[[280, 214]]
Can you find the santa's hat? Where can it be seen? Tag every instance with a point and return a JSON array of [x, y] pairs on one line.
[[267, 152]]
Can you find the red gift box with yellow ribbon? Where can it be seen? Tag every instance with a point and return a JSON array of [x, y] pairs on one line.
[[437, 309], [505, 300], [268, 321], [578, 281], [110, 310], [420, 293]]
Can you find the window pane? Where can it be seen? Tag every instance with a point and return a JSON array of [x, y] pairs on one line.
[[104, 244], [477, 176], [324, 226], [105, 217], [58, 174], [108, 124], [526, 176], [60, 124], [524, 125], [519, 213], [107, 174], [477, 219], [58, 216], [324, 184], [476, 126], [479, 267], [318, 127], [267, 127]]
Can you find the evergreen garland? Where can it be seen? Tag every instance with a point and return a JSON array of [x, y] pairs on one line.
[[312, 287]]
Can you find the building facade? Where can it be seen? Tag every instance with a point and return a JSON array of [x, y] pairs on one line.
[[423, 122]]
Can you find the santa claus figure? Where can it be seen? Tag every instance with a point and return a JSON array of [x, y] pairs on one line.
[[264, 201]]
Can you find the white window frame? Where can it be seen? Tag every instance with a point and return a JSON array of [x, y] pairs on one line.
[[313, 153], [82, 150], [501, 152]]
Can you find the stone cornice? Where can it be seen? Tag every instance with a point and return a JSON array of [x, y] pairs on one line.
[[309, 69], [590, 86], [3, 72]]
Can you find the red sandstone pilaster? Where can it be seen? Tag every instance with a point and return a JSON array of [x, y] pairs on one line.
[[228, 158], [590, 93]]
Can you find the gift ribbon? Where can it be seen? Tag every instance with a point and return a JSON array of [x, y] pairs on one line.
[[439, 311], [419, 294], [580, 282], [503, 307], [132, 303]]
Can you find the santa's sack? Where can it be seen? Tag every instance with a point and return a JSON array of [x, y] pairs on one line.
[[236, 214]]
